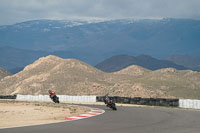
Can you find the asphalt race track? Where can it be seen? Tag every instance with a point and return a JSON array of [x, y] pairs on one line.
[[125, 120]]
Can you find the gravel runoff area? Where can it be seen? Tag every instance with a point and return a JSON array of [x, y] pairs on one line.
[[17, 113]]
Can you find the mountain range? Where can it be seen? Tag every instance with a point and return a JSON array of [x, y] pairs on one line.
[[93, 42], [119, 62], [20, 58], [191, 62], [74, 77]]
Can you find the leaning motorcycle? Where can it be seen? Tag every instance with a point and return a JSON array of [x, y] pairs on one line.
[[109, 103], [55, 99], [112, 105]]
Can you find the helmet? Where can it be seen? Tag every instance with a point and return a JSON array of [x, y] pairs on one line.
[[50, 91]]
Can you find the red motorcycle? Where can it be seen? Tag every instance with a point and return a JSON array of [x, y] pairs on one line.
[[53, 96]]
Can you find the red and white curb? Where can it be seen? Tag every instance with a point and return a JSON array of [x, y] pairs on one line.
[[93, 112]]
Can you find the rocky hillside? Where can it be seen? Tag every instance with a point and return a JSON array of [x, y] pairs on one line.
[[133, 70], [3, 73], [73, 77], [66, 76], [181, 84]]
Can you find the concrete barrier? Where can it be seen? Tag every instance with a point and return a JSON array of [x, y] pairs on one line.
[[62, 98], [182, 103], [189, 103]]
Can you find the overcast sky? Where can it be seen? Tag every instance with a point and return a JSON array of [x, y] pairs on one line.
[[12, 11]]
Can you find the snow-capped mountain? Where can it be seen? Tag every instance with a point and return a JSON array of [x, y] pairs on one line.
[[94, 41]]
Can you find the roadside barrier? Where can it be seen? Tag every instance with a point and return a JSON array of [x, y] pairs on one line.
[[8, 97], [143, 101], [189, 103], [182, 103], [62, 98]]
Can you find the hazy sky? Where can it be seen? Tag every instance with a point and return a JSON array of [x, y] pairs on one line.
[[12, 11]]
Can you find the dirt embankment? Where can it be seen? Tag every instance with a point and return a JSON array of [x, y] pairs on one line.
[[13, 113]]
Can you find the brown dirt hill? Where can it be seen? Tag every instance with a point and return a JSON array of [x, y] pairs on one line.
[[180, 84], [133, 71], [67, 76], [3, 73], [70, 77], [73, 77]]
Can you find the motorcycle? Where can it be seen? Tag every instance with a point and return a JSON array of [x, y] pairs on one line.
[[112, 105], [109, 103], [55, 99]]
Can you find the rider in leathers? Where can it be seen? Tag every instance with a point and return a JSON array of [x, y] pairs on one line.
[[51, 93], [107, 100]]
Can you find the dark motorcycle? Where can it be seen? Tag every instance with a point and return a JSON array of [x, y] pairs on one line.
[[112, 105], [109, 103], [55, 99]]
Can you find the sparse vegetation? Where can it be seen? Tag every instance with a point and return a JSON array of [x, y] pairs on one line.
[[73, 77], [3, 73]]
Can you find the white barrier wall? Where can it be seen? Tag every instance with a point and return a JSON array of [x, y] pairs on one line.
[[188, 103], [62, 98]]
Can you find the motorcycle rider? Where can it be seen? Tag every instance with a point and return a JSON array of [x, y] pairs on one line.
[[51, 93], [53, 96], [109, 103], [107, 100]]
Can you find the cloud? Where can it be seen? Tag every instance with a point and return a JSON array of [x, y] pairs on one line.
[[12, 11]]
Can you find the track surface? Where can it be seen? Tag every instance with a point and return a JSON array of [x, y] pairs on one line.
[[125, 120]]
